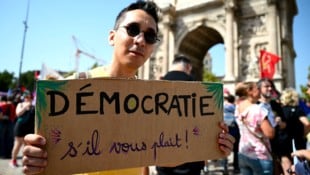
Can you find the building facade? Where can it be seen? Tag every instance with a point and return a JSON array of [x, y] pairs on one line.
[[244, 27]]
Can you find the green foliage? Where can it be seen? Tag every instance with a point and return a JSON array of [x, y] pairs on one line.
[[209, 77], [304, 94], [303, 89], [27, 79], [6, 80], [217, 91]]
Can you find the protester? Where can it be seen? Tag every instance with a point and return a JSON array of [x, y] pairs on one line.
[[181, 71], [133, 38], [24, 125], [6, 126], [269, 99], [255, 130], [230, 120], [297, 124], [302, 167]]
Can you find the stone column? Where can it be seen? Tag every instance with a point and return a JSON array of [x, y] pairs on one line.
[[229, 65], [273, 30], [168, 44]]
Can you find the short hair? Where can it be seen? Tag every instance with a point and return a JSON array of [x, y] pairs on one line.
[[230, 98], [181, 59], [148, 6]]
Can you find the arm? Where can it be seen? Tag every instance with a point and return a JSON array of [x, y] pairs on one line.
[[267, 129], [34, 156], [22, 108], [302, 154], [280, 123], [304, 120]]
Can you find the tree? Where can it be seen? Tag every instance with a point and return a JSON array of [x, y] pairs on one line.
[[7, 81], [209, 76], [303, 89], [27, 80]]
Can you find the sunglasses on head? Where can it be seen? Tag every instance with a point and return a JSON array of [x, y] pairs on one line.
[[133, 29]]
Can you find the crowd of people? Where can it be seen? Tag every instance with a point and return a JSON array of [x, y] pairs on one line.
[[272, 126], [264, 128]]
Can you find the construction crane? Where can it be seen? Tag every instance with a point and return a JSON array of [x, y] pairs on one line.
[[78, 52]]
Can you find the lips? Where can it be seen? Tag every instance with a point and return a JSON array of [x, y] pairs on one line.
[[137, 51]]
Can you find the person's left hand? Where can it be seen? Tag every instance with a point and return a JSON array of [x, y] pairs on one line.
[[225, 140]]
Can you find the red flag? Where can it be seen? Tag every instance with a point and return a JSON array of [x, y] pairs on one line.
[[267, 62]]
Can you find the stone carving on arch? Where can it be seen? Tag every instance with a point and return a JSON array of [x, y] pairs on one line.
[[245, 26]]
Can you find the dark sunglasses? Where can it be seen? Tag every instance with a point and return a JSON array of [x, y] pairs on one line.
[[133, 29]]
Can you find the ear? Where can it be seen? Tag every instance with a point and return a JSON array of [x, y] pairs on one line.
[[112, 37]]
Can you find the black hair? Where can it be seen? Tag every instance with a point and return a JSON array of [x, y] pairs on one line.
[[148, 6], [230, 98], [181, 58]]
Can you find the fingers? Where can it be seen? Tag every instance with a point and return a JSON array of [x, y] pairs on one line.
[[226, 141], [34, 155], [223, 126], [35, 152], [34, 139], [32, 170], [34, 159]]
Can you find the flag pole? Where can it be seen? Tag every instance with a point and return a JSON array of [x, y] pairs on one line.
[[23, 44]]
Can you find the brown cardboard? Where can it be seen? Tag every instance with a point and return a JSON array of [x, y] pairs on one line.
[[155, 123]]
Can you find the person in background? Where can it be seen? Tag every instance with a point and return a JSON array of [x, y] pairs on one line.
[[302, 166], [255, 131], [24, 125], [134, 37], [269, 99], [181, 71], [6, 126], [230, 120], [297, 124]]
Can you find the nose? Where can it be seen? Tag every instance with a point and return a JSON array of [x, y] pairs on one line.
[[140, 38]]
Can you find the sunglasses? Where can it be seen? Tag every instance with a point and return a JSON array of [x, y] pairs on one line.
[[133, 29]]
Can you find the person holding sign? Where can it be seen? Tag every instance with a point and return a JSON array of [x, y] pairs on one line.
[[181, 71], [133, 38]]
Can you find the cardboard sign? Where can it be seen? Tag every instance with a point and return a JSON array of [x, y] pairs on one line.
[[105, 124]]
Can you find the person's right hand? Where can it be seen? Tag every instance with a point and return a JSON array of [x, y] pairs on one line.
[[34, 154]]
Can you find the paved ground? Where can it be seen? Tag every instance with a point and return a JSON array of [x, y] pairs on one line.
[[5, 169], [215, 168]]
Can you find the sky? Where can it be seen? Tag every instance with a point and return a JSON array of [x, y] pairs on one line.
[[53, 23]]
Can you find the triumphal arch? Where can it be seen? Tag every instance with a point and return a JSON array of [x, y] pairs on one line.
[[244, 27]]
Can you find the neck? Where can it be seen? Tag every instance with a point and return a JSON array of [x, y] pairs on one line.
[[180, 67], [264, 100], [119, 71]]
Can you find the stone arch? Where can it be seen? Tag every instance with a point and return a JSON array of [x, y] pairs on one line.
[[196, 44], [243, 26]]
